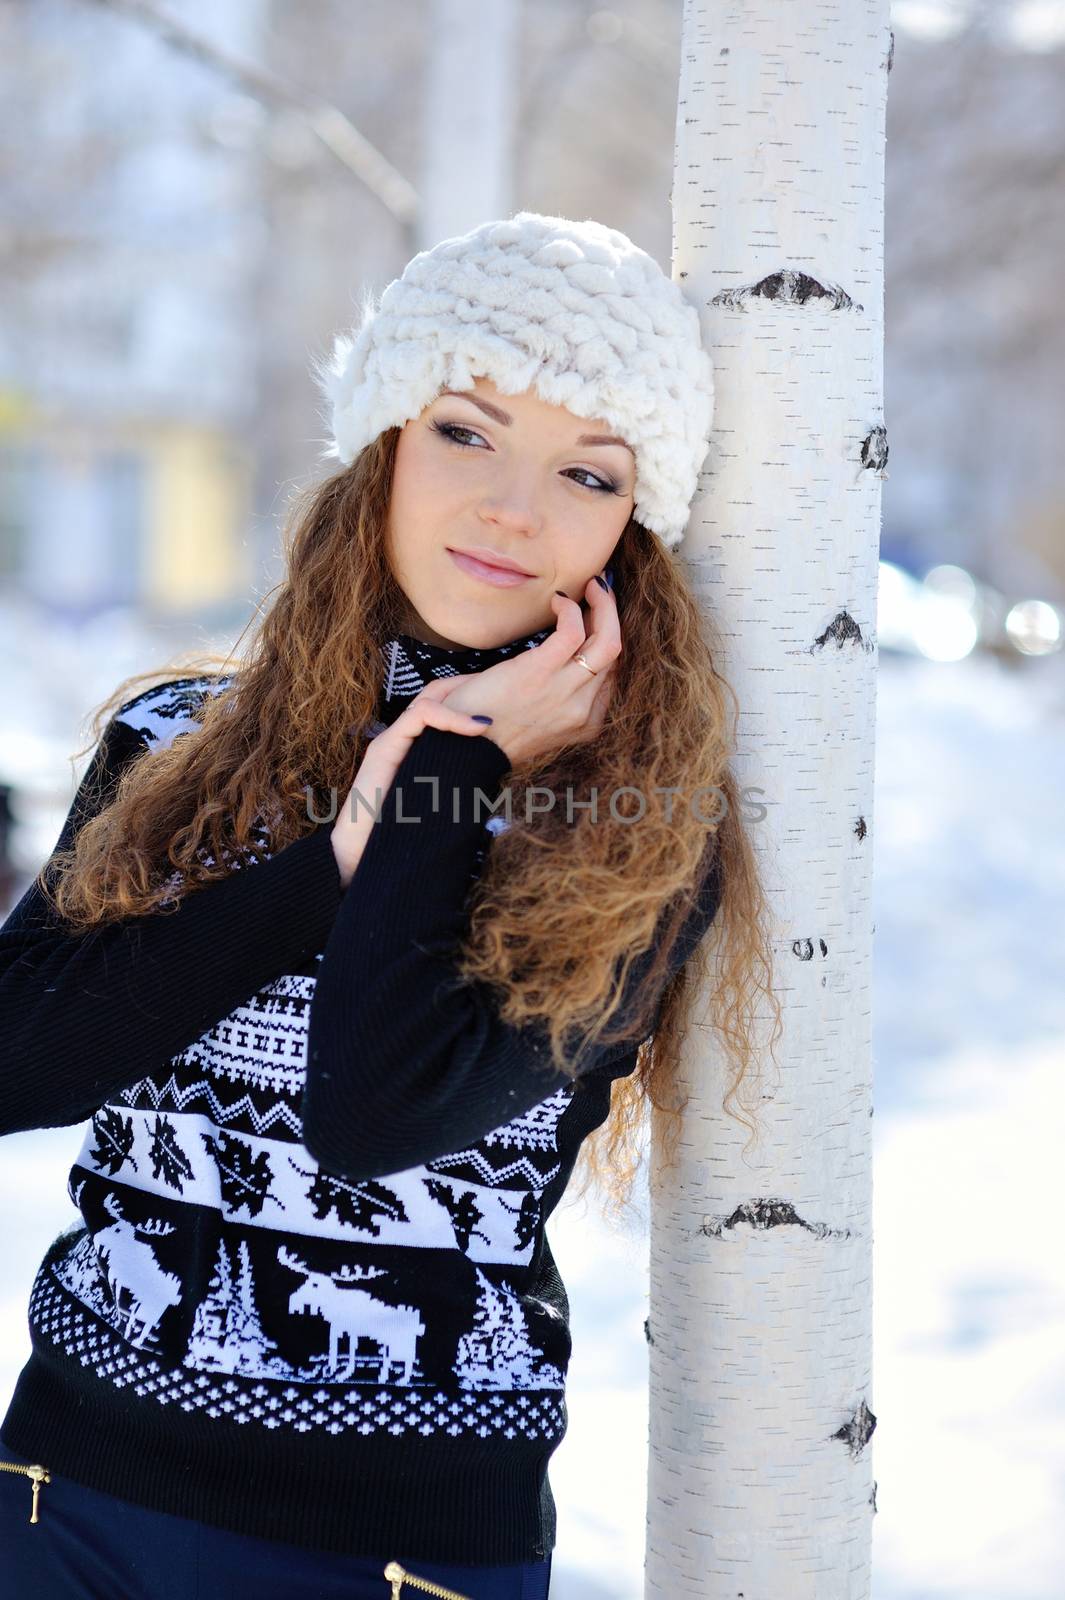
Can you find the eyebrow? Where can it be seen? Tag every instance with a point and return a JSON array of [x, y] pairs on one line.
[[504, 417]]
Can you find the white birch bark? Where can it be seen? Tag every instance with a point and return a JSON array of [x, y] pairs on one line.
[[759, 1336]]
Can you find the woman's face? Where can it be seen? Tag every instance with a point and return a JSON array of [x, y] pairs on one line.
[[501, 476]]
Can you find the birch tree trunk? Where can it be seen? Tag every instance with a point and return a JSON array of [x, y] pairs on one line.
[[471, 99], [759, 1335]]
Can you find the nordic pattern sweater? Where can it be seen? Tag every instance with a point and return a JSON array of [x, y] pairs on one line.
[[308, 1295]]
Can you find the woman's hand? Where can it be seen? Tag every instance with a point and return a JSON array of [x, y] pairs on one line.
[[381, 762], [539, 702], [543, 699]]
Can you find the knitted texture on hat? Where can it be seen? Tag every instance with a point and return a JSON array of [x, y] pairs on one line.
[[571, 310]]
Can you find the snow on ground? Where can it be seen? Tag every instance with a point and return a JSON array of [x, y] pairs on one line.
[[969, 1333]]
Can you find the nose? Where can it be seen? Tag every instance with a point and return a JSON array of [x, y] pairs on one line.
[[514, 504], [516, 517]]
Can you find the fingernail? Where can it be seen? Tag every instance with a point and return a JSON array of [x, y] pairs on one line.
[[610, 577], [477, 718], [563, 593], [601, 582]]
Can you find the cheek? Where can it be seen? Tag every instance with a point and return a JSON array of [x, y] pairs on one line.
[[406, 510], [588, 544], [427, 483], [417, 501], [409, 469]]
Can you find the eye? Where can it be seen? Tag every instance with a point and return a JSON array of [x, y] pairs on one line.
[[449, 430], [600, 485]]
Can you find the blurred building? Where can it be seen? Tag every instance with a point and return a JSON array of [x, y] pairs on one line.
[[128, 347]]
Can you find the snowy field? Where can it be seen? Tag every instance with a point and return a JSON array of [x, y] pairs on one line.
[[969, 1374]]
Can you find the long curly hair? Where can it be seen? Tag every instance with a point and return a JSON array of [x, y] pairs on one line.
[[562, 906]]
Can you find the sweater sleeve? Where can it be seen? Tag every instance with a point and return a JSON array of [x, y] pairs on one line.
[[405, 1061], [83, 1015]]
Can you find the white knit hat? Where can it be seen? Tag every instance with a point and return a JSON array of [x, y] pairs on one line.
[[572, 310]]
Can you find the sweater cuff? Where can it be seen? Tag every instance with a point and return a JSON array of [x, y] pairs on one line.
[[439, 777], [433, 817]]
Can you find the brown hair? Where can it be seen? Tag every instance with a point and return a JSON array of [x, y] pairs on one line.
[[558, 905]]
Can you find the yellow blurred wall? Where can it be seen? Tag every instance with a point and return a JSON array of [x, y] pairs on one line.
[[198, 503]]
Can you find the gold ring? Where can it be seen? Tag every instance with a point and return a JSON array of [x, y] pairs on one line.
[[584, 663]]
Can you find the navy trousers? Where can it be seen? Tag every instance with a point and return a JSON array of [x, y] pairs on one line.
[[92, 1546]]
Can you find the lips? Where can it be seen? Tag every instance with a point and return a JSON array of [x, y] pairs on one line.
[[500, 577], [490, 558]]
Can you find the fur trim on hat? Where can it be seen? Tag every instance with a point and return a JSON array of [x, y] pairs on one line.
[[571, 310]]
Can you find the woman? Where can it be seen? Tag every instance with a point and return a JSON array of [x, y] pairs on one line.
[[340, 1059]]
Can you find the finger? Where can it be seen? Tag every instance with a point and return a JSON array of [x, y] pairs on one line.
[[441, 715], [598, 655], [574, 631], [596, 715], [438, 689], [432, 713], [606, 684], [604, 687], [591, 698], [604, 625], [568, 635]]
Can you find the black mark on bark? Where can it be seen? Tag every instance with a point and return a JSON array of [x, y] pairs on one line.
[[768, 1213], [804, 948], [842, 630], [788, 287], [874, 450], [858, 1431], [860, 828]]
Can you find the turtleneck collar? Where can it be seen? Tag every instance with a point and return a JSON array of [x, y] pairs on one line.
[[410, 663]]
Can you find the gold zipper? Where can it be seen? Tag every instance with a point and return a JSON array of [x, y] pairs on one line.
[[398, 1576], [38, 1474]]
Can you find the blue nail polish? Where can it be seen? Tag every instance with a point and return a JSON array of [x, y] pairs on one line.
[[477, 718], [601, 582], [610, 577]]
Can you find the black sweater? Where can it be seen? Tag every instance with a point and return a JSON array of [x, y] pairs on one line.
[[309, 1295]]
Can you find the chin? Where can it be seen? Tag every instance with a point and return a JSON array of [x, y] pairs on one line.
[[461, 624], [478, 636]]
